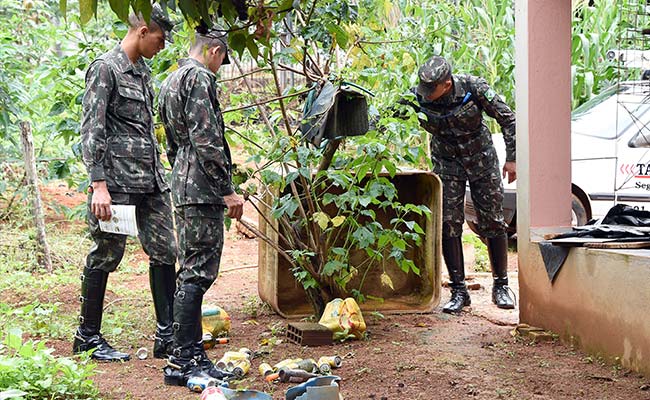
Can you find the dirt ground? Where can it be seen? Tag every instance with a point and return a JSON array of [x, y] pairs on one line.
[[408, 356]]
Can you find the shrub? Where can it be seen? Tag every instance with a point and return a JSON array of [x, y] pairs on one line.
[[28, 370]]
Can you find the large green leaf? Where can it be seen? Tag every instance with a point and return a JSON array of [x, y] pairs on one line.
[[189, 10], [340, 34], [87, 8], [144, 7], [120, 8], [238, 41]]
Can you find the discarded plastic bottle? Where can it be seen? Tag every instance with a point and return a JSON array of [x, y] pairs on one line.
[[246, 351], [230, 357], [199, 383], [333, 361], [291, 363], [295, 375], [265, 369], [308, 365], [212, 393], [241, 367], [210, 341], [324, 368], [325, 364]]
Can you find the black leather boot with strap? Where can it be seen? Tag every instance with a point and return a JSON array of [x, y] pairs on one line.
[[183, 365], [88, 336], [452, 251], [498, 253], [162, 281], [203, 360]]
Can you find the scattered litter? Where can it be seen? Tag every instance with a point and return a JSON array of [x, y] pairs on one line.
[[215, 322], [344, 319], [142, 353], [237, 362]]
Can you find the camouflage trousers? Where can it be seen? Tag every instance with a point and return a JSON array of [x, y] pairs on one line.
[[487, 195], [200, 237], [155, 232]]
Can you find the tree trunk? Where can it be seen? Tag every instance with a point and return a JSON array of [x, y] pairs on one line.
[[43, 250], [316, 300]]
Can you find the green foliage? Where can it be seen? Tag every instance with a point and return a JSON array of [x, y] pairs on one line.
[[28, 370], [596, 29]]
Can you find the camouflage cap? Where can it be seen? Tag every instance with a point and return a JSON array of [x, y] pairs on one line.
[[217, 33], [161, 18], [433, 72]]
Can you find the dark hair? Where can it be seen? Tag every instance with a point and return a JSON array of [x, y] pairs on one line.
[[209, 37], [136, 21]]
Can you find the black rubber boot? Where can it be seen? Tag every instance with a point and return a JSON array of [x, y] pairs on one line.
[[498, 252], [87, 337], [452, 251], [203, 360], [162, 281], [182, 365]]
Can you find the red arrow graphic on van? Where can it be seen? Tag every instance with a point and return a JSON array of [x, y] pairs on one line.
[[627, 169]]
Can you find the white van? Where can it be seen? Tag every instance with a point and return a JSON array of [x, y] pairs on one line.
[[610, 155]]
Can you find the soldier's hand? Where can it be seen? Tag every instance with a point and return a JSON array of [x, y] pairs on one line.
[[235, 204], [100, 204], [510, 169]]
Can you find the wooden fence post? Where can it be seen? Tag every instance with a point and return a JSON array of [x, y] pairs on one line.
[[43, 250]]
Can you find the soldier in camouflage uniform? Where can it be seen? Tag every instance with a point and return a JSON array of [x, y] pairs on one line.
[[462, 151], [201, 190], [121, 154]]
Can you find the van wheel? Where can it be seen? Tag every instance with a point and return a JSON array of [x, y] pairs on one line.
[[578, 211]]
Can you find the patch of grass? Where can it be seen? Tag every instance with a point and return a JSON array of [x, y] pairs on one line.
[[253, 307], [278, 328], [41, 320]]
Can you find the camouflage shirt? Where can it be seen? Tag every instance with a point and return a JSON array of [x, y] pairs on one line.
[[196, 145], [461, 143], [118, 141]]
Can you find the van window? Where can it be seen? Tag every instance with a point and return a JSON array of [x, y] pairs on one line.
[[642, 137], [614, 112]]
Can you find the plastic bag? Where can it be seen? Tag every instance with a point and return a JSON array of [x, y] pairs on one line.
[[215, 320], [344, 319]]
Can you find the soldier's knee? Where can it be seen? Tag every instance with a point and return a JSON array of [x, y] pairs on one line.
[[451, 229]]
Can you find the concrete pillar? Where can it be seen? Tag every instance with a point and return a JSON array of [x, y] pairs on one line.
[[543, 105], [543, 98]]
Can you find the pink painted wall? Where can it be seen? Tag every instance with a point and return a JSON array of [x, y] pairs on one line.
[[543, 81]]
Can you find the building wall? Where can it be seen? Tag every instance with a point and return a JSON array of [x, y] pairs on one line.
[[598, 302], [599, 298]]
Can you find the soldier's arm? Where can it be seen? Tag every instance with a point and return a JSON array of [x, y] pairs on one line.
[[172, 148], [205, 133], [99, 84], [495, 107]]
